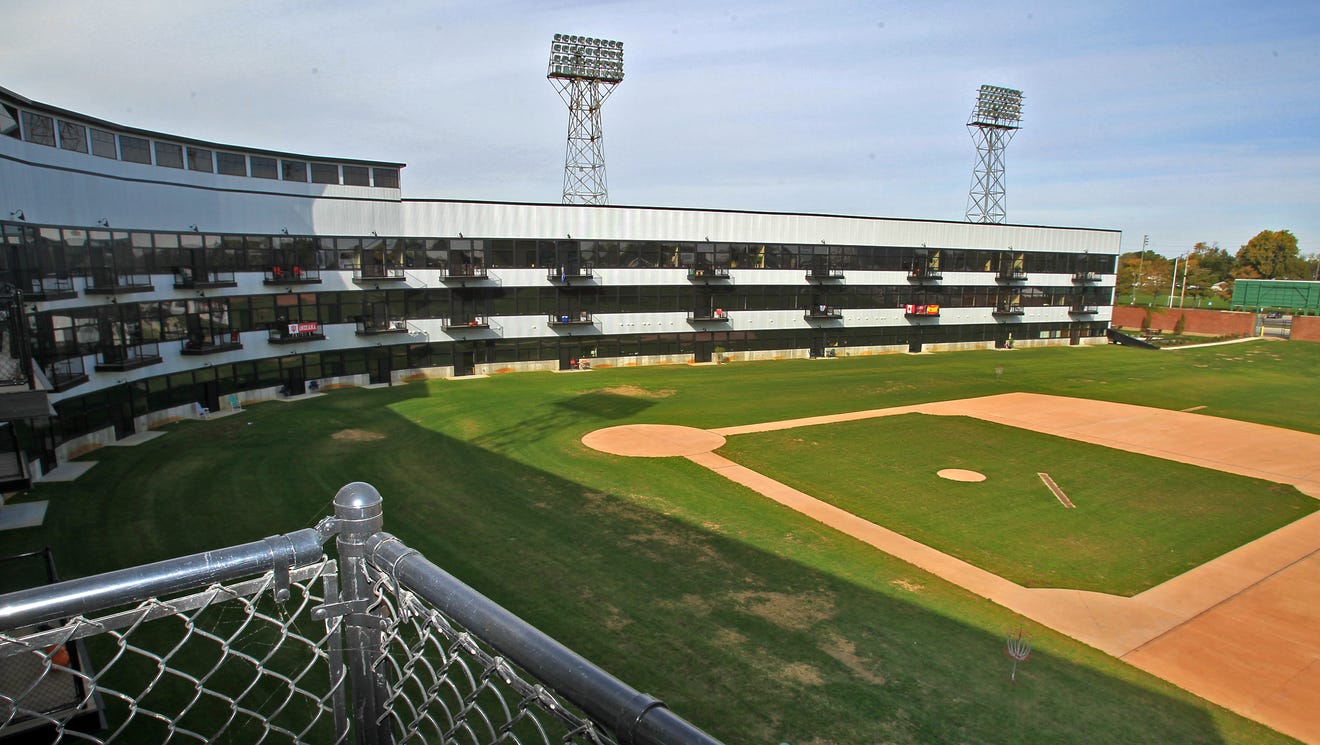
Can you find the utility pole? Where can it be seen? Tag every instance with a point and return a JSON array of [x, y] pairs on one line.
[[1141, 266], [1173, 284]]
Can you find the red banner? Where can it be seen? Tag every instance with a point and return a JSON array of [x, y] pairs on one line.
[[304, 328]]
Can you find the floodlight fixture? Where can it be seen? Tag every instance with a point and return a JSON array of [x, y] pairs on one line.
[[994, 121], [585, 71]]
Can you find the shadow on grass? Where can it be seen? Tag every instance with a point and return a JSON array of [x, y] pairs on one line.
[[603, 405], [751, 645]]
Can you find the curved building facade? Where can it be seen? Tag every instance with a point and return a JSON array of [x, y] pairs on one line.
[[158, 276]]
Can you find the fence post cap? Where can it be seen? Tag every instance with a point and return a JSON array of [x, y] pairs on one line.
[[358, 495]]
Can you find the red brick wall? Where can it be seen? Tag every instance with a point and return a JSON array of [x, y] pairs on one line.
[[1210, 322], [1306, 328]]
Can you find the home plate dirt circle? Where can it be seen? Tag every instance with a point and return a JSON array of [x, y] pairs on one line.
[[960, 474], [652, 440]]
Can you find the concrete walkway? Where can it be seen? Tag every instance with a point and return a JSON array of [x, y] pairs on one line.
[[1242, 630]]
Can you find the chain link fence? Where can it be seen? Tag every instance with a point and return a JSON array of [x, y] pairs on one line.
[[273, 642]]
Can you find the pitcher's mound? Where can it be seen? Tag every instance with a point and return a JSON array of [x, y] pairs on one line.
[[960, 474], [652, 440]]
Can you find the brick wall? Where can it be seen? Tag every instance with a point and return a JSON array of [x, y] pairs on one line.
[[1197, 321], [1306, 328]]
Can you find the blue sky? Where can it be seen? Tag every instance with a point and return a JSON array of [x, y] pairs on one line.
[[1183, 121]]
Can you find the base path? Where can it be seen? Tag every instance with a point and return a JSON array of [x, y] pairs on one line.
[[1242, 630]]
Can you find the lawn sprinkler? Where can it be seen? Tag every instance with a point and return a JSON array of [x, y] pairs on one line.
[[1017, 646]]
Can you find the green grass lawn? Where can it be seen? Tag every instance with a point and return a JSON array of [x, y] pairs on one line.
[[1138, 520], [752, 621]]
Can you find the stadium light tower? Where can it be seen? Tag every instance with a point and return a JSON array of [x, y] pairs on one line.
[[585, 72], [997, 117]]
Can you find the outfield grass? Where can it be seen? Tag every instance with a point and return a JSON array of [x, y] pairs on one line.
[[1138, 520], [750, 620]]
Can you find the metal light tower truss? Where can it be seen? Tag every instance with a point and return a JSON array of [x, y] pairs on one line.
[[585, 72], [997, 117]]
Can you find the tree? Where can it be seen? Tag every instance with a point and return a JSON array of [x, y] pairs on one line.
[[1143, 273], [1272, 254], [1207, 266]]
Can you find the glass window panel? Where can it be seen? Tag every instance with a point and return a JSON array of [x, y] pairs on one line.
[[325, 173], [230, 164], [199, 159], [73, 136], [263, 167], [293, 170], [38, 129], [169, 155], [9, 121], [386, 178], [103, 144], [134, 149], [357, 176]]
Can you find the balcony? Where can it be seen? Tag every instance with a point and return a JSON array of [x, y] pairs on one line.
[[118, 358], [1085, 277], [921, 311], [924, 274], [295, 333], [110, 282], [50, 288], [214, 343], [463, 272], [469, 322], [824, 274], [378, 274], [185, 278], [367, 327], [582, 318], [1083, 309], [1008, 309], [823, 313], [708, 273], [717, 315], [567, 275], [1011, 275], [66, 373], [292, 275]]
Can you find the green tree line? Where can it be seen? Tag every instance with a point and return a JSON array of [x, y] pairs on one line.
[[1210, 270]]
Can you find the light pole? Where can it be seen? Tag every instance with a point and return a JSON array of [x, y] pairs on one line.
[[585, 72], [997, 117]]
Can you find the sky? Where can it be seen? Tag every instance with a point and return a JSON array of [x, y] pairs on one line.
[[1182, 121]]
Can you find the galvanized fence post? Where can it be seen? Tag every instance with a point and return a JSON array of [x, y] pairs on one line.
[[358, 514]]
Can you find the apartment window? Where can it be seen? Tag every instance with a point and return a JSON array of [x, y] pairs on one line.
[[357, 176], [386, 178], [103, 144], [293, 170], [73, 137], [38, 129], [230, 164], [325, 173], [169, 155], [199, 159], [134, 149], [263, 167]]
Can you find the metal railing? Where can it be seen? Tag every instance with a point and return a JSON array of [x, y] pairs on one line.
[[272, 642]]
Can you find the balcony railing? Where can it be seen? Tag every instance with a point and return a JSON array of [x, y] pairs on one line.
[[461, 272], [707, 273], [366, 327], [567, 275], [824, 274], [50, 288], [292, 275], [378, 274], [294, 333], [925, 274], [1083, 309], [1011, 275], [110, 282], [67, 373], [718, 315], [1008, 309], [213, 343], [120, 357], [185, 278], [1087, 277], [371, 644], [468, 322], [581, 318], [823, 313]]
